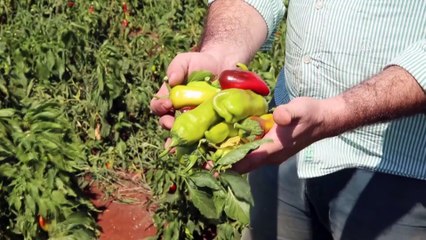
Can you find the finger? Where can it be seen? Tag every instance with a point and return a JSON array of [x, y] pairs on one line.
[[253, 160], [261, 155], [282, 115], [167, 144], [166, 121], [208, 165], [185, 63], [161, 104], [178, 69], [250, 162]]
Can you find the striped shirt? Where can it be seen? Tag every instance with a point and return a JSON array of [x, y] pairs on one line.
[[332, 45]]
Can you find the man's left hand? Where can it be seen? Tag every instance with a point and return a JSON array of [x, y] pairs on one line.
[[297, 125]]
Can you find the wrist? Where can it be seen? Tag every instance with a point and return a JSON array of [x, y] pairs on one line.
[[227, 57], [233, 31], [334, 116]]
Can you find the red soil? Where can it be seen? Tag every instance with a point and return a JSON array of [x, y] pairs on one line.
[[119, 220]]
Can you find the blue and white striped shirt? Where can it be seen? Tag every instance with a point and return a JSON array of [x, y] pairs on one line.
[[332, 45]]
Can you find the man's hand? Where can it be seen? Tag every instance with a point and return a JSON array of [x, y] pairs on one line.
[[180, 67], [391, 94], [297, 125], [233, 32]]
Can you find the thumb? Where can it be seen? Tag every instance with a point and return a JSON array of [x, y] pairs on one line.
[[185, 63], [285, 114]]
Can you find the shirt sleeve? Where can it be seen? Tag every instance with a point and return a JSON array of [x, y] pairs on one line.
[[413, 60], [272, 11]]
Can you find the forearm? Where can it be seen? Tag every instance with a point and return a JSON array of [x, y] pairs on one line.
[[392, 94], [233, 29]]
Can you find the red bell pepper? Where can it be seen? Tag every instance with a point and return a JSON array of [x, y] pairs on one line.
[[244, 80]]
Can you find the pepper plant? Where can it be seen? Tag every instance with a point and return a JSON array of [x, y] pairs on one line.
[[76, 78]]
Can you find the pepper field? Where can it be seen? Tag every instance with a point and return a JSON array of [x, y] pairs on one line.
[[76, 79]]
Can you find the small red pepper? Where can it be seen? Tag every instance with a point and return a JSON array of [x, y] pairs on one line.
[[70, 4], [91, 9], [172, 188], [42, 222], [124, 7], [124, 23], [243, 79]]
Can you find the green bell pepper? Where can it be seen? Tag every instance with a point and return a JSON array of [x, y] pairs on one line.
[[236, 104]]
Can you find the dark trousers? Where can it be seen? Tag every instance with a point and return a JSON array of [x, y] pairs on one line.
[[350, 204]]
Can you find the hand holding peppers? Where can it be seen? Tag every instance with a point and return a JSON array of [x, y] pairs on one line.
[[217, 113]]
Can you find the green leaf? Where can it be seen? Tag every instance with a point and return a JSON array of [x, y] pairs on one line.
[[237, 210], [219, 199], [4, 90], [100, 77], [43, 72], [30, 204], [16, 202], [78, 219], [42, 206], [204, 179], [249, 129], [58, 197], [6, 149], [239, 186], [47, 126], [50, 60], [60, 66], [226, 231], [172, 231], [7, 112], [45, 116], [203, 201], [7, 170], [239, 153]]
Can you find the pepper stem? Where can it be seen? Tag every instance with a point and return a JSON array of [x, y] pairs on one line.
[[166, 82], [242, 66], [192, 161], [164, 153], [242, 127], [215, 83]]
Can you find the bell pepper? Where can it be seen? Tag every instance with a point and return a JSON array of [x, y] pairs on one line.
[[219, 132], [236, 104], [192, 94], [243, 79], [189, 127]]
